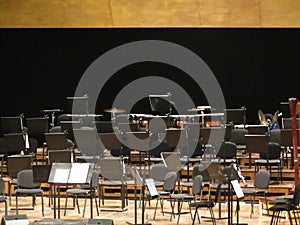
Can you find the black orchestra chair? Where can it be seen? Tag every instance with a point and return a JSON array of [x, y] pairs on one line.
[[84, 190], [227, 153], [238, 137], [287, 205], [168, 189], [26, 186], [207, 204], [2, 195], [180, 198], [115, 177], [37, 127], [271, 159], [261, 187], [15, 164]]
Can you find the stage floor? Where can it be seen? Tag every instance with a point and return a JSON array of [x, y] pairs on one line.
[[123, 217]]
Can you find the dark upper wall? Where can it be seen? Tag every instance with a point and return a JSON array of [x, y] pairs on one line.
[[256, 68]]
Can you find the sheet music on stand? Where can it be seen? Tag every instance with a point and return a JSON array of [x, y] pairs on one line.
[[70, 173], [237, 188], [151, 187]]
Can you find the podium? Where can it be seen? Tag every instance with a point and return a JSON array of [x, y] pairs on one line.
[[64, 174]]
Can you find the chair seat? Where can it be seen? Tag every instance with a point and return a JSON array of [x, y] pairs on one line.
[[282, 207], [13, 181], [202, 204], [29, 191], [252, 191], [182, 196], [112, 183], [165, 193], [265, 161], [77, 191], [187, 184]]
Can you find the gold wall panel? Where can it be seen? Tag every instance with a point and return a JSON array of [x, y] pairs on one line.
[[149, 13]]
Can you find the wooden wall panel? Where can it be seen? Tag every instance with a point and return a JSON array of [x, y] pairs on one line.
[[149, 13]]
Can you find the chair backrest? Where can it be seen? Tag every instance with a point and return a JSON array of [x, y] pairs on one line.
[[238, 136], [59, 156], [37, 126], [25, 180], [95, 179], [94, 183], [111, 169], [275, 136], [158, 172], [262, 179], [2, 187], [274, 151], [16, 163], [170, 181], [228, 150], [197, 185], [41, 173], [56, 141], [296, 197]]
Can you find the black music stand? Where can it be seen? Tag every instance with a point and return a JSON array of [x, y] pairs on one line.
[[230, 175], [12, 124], [62, 174], [256, 143], [138, 181], [257, 129], [111, 141], [236, 116], [15, 143], [133, 139]]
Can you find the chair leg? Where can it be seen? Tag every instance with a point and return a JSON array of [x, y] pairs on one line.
[[97, 207], [77, 203], [84, 206], [212, 216], [17, 208], [42, 201], [195, 214], [66, 202], [155, 208], [6, 207]]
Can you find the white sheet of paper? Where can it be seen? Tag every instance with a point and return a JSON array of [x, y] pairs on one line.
[[237, 188], [78, 174], [61, 176]]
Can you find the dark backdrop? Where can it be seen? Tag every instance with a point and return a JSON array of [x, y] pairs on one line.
[[256, 68]]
